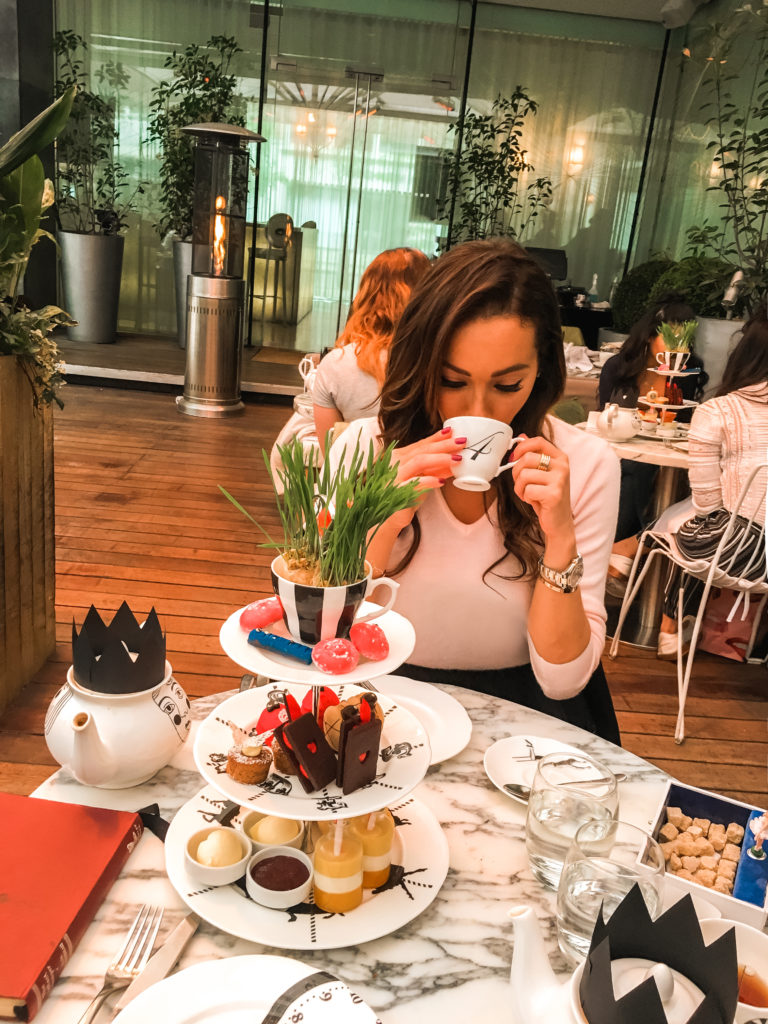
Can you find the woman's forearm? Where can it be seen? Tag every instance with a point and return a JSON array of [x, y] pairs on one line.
[[557, 623]]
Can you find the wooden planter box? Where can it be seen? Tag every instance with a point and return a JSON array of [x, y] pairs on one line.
[[27, 565]]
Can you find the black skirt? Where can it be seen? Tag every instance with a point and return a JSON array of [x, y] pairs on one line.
[[592, 709]]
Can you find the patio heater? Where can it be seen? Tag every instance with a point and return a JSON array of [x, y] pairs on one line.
[[215, 288]]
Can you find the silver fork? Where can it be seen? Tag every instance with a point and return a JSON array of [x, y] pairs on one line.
[[130, 960]]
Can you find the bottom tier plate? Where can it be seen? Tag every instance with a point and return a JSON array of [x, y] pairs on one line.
[[420, 864]]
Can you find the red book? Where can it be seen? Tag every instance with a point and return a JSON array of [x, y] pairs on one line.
[[57, 863]]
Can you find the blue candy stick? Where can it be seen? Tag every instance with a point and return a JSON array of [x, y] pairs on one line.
[[281, 644]]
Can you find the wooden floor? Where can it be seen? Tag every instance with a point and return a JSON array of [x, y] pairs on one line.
[[139, 517]]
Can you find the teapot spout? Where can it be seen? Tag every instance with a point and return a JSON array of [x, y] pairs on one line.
[[535, 988], [91, 764]]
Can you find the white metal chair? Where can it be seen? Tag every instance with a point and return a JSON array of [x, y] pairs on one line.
[[715, 572]]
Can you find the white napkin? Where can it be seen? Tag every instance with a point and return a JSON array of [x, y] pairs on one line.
[[320, 999], [577, 359]]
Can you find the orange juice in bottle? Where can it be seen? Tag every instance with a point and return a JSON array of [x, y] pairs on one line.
[[338, 877], [376, 832]]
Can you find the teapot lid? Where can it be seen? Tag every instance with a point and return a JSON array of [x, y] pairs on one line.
[[679, 996]]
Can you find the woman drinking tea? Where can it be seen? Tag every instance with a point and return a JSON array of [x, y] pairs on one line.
[[504, 586]]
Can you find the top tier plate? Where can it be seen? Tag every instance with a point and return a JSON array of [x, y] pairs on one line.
[[234, 640]]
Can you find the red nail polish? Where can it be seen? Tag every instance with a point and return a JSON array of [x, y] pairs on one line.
[[456, 457], [460, 440], [446, 430], [442, 479]]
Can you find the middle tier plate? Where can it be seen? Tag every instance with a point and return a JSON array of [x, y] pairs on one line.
[[404, 757]]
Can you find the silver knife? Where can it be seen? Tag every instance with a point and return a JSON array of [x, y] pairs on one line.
[[163, 961]]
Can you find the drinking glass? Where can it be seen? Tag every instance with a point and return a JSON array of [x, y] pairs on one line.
[[567, 790], [605, 859]]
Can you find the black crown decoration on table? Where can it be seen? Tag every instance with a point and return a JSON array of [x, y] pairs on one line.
[[122, 657], [674, 939]]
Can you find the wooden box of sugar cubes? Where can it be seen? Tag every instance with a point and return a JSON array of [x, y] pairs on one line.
[[713, 847]]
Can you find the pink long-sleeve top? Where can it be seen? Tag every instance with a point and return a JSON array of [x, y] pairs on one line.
[[465, 622]]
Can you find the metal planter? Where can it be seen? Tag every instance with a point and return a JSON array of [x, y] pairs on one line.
[[91, 266]]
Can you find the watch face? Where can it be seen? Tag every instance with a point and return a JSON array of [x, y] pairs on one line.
[[575, 574]]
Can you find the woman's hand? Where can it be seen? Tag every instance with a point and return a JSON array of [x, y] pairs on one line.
[[429, 461], [546, 490]]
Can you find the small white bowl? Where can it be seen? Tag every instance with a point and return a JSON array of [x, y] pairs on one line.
[[206, 874], [752, 949], [278, 899], [253, 817]]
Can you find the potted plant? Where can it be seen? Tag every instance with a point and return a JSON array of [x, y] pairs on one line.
[[677, 339], [201, 89], [30, 375], [487, 178], [726, 268], [329, 517], [93, 192]]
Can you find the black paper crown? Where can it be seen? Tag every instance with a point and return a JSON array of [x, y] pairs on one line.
[[674, 939], [102, 655]]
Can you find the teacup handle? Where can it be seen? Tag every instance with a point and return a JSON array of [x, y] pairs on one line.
[[382, 581], [513, 462]]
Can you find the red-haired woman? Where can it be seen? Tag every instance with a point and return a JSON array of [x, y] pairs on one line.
[[349, 378]]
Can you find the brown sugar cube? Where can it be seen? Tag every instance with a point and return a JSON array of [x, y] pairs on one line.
[[686, 875], [704, 877], [703, 823], [722, 884], [686, 847], [732, 852], [675, 863], [685, 822], [703, 847], [714, 828], [669, 831], [675, 816], [710, 863], [727, 869], [691, 864], [717, 840], [696, 831], [734, 833]]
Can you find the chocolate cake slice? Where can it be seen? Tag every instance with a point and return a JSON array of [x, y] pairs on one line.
[[307, 749], [358, 750]]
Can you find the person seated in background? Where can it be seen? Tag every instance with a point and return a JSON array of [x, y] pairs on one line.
[[623, 379], [727, 436], [492, 580], [349, 378]]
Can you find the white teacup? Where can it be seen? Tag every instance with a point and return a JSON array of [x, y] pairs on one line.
[[672, 360], [488, 441]]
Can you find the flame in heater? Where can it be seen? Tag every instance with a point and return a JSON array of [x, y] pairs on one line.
[[219, 236]]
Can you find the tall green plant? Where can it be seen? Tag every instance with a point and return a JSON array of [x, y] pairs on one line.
[[93, 191], [25, 195], [736, 111], [200, 89], [489, 174]]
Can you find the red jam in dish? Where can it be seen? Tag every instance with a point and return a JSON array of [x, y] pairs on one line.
[[280, 873]]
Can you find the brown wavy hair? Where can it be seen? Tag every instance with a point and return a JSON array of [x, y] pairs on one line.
[[474, 281], [385, 288]]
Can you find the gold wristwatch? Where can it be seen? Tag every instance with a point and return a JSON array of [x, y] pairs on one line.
[[566, 580]]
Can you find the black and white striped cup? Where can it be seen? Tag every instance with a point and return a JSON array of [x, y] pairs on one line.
[[312, 614]]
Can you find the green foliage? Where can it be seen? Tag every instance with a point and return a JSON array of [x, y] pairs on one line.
[[92, 188], [739, 150], [678, 337], [200, 89], [330, 517], [701, 279], [25, 194], [488, 178], [632, 295]]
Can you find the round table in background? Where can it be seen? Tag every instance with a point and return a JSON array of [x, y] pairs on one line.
[[450, 965]]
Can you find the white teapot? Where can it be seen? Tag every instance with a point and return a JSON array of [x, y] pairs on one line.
[[537, 995], [117, 740], [617, 424]]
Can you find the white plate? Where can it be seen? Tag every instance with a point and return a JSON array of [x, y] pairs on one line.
[[448, 725], [404, 757], [420, 848], [694, 371], [687, 404], [501, 764], [243, 990], [234, 640]]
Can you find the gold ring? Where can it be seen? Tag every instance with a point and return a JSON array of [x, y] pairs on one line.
[[544, 461]]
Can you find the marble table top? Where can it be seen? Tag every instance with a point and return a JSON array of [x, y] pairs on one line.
[[450, 964]]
